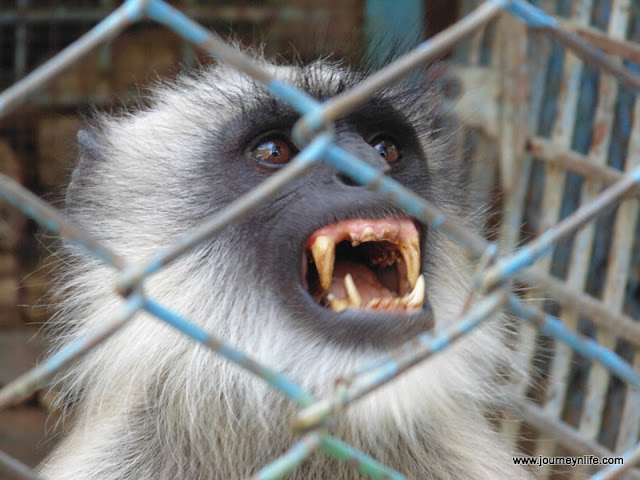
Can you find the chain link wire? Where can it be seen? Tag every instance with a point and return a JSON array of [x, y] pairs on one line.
[[313, 131]]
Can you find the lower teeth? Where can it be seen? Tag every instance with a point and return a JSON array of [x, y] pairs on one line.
[[411, 301]]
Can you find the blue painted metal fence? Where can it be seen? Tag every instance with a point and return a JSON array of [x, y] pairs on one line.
[[491, 282]]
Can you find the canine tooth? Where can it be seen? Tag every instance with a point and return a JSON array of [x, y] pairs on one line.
[[415, 299], [324, 254], [411, 254], [352, 292]]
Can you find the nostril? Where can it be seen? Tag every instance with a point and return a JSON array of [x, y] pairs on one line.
[[342, 178]]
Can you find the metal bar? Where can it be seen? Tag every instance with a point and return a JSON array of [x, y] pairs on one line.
[[537, 18], [237, 210], [20, 53], [16, 94], [272, 377], [563, 130], [429, 50], [515, 189], [584, 346], [210, 13], [515, 96], [38, 377], [49, 217], [565, 435], [618, 265], [575, 162], [16, 469], [363, 463], [166, 15], [543, 245], [415, 206], [594, 56], [53, 15], [602, 316], [292, 459], [630, 459], [630, 427], [389, 366], [605, 42]]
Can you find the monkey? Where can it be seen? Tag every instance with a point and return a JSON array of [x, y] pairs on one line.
[[318, 282]]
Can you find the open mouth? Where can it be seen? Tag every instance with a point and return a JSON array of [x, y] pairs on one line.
[[365, 264]]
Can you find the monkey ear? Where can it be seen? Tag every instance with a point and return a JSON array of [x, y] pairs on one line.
[[88, 155]]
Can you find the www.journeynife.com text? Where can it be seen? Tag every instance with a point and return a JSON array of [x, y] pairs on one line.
[[571, 461]]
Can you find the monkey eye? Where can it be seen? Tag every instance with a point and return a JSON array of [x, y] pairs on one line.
[[387, 148], [272, 151]]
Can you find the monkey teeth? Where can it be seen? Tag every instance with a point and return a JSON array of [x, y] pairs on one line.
[[378, 266], [324, 254], [411, 255], [352, 292], [413, 300]]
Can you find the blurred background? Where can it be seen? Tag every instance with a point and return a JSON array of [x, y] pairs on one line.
[[531, 114]]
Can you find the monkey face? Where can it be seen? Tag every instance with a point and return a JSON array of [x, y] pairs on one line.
[[345, 262], [348, 262], [340, 260]]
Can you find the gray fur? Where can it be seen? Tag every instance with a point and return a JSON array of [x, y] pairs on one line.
[[152, 404]]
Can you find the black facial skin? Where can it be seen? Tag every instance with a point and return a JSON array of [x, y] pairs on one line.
[[322, 197]]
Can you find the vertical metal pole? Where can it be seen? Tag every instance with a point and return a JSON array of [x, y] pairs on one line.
[[21, 43]]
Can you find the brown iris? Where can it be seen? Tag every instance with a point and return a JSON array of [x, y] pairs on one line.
[[272, 152], [387, 149]]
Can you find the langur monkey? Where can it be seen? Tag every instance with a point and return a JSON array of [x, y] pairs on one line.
[[319, 281]]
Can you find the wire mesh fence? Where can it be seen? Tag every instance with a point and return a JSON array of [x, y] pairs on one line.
[[521, 155]]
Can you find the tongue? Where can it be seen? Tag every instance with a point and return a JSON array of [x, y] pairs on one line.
[[366, 282]]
